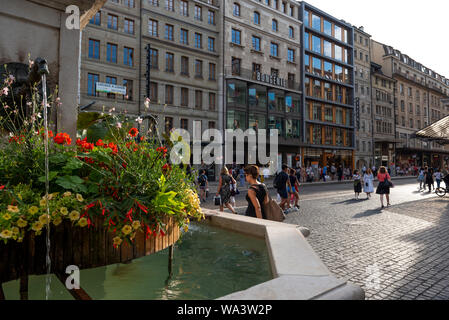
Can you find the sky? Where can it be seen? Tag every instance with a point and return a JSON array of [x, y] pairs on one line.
[[419, 29]]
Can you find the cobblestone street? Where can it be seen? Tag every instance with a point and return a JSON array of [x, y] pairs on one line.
[[398, 253]]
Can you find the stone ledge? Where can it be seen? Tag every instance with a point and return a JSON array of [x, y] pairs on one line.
[[298, 271]]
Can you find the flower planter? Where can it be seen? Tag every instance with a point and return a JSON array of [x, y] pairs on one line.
[[85, 248]]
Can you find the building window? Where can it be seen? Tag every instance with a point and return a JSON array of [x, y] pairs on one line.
[[198, 69], [211, 124], [198, 40], [198, 99], [111, 53], [169, 5], [184, 97], [94, 49], [153, 28], [169, 62], [316, 44], [236, 36], [274, 50], [168, 94], [211, 44], [128, 56], [169, 32], [316, 22], [212, 101], [211, 17], [154, 59], [96, 19], [212, 71], [153, 92], [236, 10], [129, 89], [184, 66], [92, 80], [129, 26], [274, 25], [291, 32], [198, 13], [184, 8], [168, 124], [184, 36], [129, 3], [154, 2], [111, 80], [236, 63], [257, 18], [291, 55], [256, 43], [185, 124], [112, 22]]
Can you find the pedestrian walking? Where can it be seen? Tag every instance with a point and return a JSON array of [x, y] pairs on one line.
[[340, 173], [257, 193], [421, 180], [224, 190], [281, 182], [438, 176], [429, 178], [294, 190], [333, 172], [324, 173], [357, 184], [242, 177], [203, 184], [368, 183], [384, 186]]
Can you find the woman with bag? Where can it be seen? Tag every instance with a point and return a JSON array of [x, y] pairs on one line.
[[357, 184], [368, 182], [257, 195], [384, 186], [294, 191], [224, 190]]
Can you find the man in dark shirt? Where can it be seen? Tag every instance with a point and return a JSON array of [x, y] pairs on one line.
[[282, 182]]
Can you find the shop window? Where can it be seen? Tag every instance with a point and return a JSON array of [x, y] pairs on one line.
[[276, 123], [292, 102], [292, 128], [257, 97], [236, 93], [257, 121], [236, 120]]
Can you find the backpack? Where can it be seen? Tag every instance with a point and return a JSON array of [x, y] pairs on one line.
[[202, 180], [276, 181]]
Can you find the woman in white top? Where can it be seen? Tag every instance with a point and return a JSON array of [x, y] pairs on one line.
[[368, 183]]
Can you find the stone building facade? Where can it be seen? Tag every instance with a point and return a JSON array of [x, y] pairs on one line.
[[262, 56], [384, 132], [363, 107], [418, 102]]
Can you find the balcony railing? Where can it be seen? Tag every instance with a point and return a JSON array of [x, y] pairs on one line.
[[215, 3], [265, 78]]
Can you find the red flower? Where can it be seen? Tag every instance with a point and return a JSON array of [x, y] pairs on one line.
[[124, 165], [162, 150], [62, 138], [133, 132], [99, 143], [112, 146], [85, 146], [2, 187]]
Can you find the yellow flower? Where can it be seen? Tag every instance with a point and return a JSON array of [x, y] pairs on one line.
[[79, 197], [43, 203], [6, 216], [44, 219], [127, 230], [117, 241], [57, 221], [54, 195], [13, 209], [33, 210], [64, 211], [83, 222], [21, 223], [15, 230], [6, 234], [186, 228], [136, 225], [74, 215], [19, 196], [19, 240], [67, 194], [37, 226]]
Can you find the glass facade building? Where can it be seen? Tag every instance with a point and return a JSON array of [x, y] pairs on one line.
[[328, 87]]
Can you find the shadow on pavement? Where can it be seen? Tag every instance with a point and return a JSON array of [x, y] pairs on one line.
[[351, 201], [367, 213]]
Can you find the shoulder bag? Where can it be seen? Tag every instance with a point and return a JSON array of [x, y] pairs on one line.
[[273, 211]]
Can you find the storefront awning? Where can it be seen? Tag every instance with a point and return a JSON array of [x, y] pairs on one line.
[[437, 132]]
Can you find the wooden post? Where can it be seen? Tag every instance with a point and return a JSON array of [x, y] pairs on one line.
[[170, 260], [2, 294], [24, 287]]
